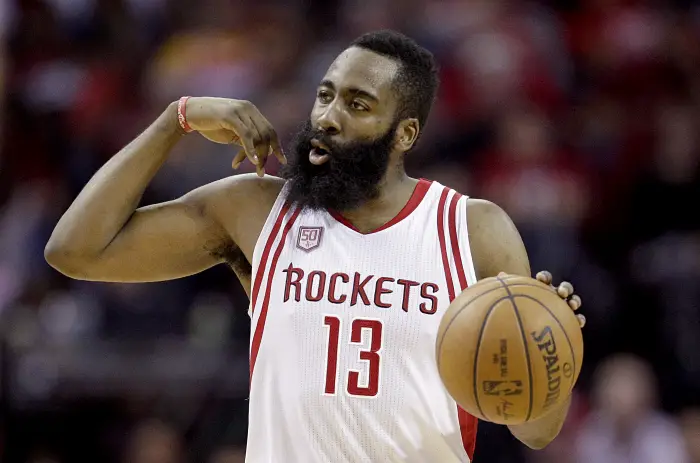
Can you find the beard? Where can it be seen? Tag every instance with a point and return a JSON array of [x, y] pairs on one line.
[[350, 177]]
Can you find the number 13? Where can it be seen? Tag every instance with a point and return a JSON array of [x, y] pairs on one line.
[[370, 356]]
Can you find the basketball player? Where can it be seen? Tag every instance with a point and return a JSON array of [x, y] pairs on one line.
[[349, 262]]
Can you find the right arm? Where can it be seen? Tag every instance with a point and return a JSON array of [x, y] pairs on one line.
[[104, 237]]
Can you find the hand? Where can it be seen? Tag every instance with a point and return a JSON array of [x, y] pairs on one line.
[[238, 122], [565, 290]]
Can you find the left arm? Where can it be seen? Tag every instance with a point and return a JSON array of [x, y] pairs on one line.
[[497, 247]]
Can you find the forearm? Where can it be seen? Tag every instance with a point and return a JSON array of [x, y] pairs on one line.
[[109, 199], [539, 433]]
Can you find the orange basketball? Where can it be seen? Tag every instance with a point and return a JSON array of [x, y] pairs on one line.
[[509, 349]]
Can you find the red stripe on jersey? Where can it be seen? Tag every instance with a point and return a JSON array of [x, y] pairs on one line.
[[257, 337], [266, 253], [467, 427], [443, 247], [467, 423], [452, 222]]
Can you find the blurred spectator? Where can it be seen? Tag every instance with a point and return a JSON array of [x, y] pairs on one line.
[[625, 424], [228, 455], [41, 458], [6, 15], [543, 188], [579, 118], [690, 424], [663, 261], [154, 442]]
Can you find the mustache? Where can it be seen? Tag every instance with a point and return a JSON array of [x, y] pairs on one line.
[[322, 137], [350, 177], [336, 149]]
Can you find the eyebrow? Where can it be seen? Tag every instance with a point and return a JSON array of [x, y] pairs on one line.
[[353, 90]]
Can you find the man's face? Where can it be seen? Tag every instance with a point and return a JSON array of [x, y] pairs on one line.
[[340, 156]]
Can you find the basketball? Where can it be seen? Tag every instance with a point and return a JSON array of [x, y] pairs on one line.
[[509, 349]]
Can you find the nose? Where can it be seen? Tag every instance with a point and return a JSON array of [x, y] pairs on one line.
[[328, 120]]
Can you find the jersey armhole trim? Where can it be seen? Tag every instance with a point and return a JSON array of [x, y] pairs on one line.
[[467, 423], [259, 327], [277, 206], [259, 274], [454, 239], [466, 259]]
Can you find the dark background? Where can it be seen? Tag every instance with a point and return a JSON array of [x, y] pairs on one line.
[[580, 118]]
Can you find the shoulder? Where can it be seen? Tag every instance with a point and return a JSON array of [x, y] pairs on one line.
[[479, 208], [236, 191], [494, 240], [485, 218], [240, 185], [239, 204]]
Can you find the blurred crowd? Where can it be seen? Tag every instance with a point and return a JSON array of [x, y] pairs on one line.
[[578, 117]]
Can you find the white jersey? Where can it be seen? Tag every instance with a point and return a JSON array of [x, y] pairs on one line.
[[344, 324]]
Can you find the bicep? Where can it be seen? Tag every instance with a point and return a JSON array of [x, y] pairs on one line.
[[494, 240], [159, 242], [174, 239]]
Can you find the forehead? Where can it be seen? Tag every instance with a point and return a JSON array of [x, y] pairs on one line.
[[364, 70]]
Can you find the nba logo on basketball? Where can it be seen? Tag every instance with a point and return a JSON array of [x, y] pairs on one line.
[[309, 238]]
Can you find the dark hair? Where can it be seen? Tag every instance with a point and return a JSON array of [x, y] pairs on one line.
[[417, 80]]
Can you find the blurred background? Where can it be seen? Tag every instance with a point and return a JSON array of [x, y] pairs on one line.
[[580, 118]]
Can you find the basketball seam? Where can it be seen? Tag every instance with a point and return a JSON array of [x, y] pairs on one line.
[[527, 350], [476, 353], [509, 277], [568, 341], [459, 311], [440, 341]]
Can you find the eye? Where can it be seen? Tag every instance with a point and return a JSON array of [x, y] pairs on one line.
[[358, 106], [324, 96]]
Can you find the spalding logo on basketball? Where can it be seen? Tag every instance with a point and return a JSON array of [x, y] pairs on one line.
[[509, 349]]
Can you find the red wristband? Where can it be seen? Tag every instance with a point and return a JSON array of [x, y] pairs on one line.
[[182, 114]]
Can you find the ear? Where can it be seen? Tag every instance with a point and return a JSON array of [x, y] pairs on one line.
[[407, 134]]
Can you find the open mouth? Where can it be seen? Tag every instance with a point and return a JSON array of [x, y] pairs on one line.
[[319, 154]]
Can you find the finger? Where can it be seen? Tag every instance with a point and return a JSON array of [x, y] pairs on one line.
[[275, 146], [270, 137], [581, 320], [261, 137], [502, 274], [545, 277], [574, 302], [565, 289], [279, 154], [240, 157], [245, 133], [261, 140], [262, 147]]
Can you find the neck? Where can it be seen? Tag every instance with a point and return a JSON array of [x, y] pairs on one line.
[[395, 191]]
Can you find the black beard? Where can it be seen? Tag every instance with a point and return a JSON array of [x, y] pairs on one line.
[[349, 178]]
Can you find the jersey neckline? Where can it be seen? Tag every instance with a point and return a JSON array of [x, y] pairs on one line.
[[419, 192]]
